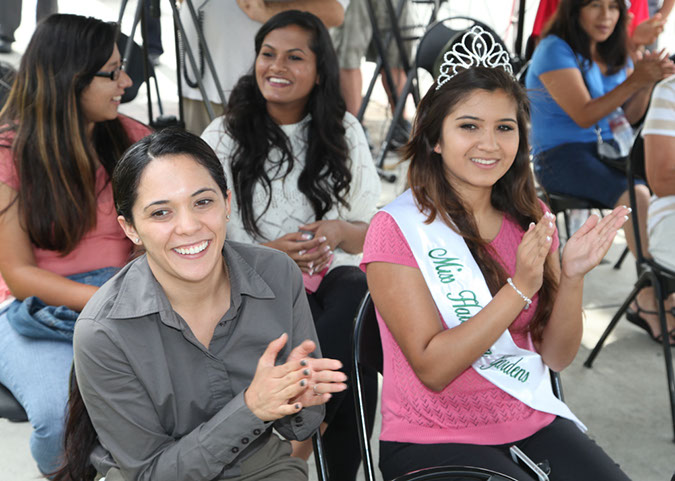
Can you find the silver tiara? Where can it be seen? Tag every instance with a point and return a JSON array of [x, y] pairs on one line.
[[477, 48]]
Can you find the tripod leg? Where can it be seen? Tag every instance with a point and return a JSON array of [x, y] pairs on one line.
[[193, 63]]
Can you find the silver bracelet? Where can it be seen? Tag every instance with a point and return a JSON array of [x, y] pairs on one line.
[[527, 300]]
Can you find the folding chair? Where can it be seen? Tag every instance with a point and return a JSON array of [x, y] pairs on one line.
[[320, 457], [367, 354], [650, 273], [382, 44]]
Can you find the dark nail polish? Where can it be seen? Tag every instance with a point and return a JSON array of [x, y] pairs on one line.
[[303, 362], [306, 372], [303, 383]]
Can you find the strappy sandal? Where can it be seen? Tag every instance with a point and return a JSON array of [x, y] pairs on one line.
[[634, 317]]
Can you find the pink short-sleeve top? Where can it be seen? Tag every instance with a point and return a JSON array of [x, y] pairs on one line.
[[470, 409], [105, 245]]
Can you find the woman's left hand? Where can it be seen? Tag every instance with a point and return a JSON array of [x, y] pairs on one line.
[[332, 230], [324, 376], [648, 31], [587, 247]]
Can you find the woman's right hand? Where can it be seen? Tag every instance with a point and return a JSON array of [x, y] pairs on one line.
[[273, 386], [307, 253], [531, 256], [651, 67], [281, 390]]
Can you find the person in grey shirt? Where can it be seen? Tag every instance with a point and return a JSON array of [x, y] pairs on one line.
[[194, 351]]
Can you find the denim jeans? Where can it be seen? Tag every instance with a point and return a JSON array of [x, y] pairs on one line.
[[37, 371], [33, 318]]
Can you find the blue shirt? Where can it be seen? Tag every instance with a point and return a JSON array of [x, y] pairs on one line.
[[551, 126]]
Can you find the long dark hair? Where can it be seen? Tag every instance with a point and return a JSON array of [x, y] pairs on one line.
[[325, 177], [80, 436], [565, 24], [55, 161], [514, 193]]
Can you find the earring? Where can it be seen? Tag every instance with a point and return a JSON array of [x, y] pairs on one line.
[[227, 216], [137, 240]]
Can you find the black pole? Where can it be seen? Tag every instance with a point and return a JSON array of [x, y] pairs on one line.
[[518, 45]]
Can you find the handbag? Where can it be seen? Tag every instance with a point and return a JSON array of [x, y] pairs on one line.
[[613, 153]]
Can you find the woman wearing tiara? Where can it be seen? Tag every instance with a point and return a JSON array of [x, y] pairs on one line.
[[472, 300], [582, 85]]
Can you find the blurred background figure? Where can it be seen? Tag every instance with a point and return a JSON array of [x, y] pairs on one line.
[[353, 41], [10, 19], [659, 135]]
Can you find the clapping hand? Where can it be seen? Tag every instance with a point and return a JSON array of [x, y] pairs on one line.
[[281, 390], [532, 252], [587, 247], [650, 67], [324, 380], [648, 31]]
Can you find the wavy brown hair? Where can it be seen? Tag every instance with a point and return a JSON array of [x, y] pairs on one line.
[[565, 24], [325, 177], [513, 194], [54, 158]]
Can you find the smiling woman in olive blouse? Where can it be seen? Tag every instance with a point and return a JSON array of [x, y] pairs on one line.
[[189, 357]]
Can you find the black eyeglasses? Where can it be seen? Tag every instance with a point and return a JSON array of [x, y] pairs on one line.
[[114, 75]]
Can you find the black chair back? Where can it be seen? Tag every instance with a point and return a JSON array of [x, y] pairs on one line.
[[635, 170], [10, 408], [135, 67], [367, 354], [441, 36]]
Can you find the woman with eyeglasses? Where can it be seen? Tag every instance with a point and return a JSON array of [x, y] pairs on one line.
[[60, 138]]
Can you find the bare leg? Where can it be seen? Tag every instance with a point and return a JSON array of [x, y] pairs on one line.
[[645, 298], [351, 83], [399, 80]]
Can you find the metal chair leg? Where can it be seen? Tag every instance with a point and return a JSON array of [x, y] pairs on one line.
[[667, 351], [642, 281], [320, 457], [625, 252]]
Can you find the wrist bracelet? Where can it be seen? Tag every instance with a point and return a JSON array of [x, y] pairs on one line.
[[527, 300]]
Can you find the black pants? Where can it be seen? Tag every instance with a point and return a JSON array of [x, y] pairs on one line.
[[334, 306], [572, 455]]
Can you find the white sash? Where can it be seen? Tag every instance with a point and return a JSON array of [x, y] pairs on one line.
[[459, 290]]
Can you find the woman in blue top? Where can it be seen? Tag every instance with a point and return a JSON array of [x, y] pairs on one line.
[[580, 76]]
